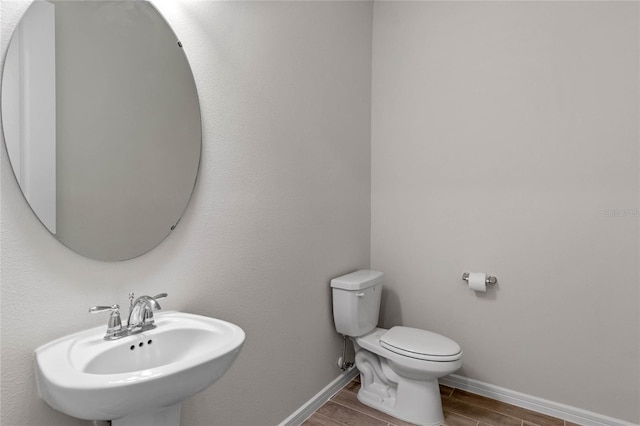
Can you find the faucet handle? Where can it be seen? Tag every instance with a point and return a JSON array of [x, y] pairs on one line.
[[97, 309], [114, 327]]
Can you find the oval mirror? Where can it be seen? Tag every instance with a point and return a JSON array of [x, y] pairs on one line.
[[101, 122]]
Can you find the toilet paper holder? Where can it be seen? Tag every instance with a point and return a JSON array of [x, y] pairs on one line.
[[490, 279]]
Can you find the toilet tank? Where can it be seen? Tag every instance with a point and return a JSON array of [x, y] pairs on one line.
[[356, 302]]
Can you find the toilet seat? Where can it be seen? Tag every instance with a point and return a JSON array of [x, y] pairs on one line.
[[408, 366], [420, 344]]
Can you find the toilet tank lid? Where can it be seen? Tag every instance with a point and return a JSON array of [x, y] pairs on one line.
[[357, 280]]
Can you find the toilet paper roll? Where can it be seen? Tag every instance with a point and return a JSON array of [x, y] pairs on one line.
[[478, 281]]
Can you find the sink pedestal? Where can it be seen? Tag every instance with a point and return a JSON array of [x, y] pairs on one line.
[[169, 416]]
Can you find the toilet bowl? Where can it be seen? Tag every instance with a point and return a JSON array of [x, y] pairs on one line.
[[399, 367], [403, 386]]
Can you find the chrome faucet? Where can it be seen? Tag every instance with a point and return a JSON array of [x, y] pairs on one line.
[[141, 311], [140, 316], [114, 328]]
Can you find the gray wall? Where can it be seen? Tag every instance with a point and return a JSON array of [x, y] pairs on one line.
[[281, 206], [502, 133]]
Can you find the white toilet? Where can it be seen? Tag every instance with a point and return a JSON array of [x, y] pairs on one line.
[[400, 367]]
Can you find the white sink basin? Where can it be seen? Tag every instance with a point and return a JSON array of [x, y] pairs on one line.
[[138, 376]]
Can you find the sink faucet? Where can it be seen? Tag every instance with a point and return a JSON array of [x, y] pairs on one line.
[[140, 316], [141, 311]]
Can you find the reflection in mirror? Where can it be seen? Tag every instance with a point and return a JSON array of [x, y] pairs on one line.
[[101, 123]]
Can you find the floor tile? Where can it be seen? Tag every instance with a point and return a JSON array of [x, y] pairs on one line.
[[348, 416], [453, 419], [445, 390], [478, 413], [461, 408], [508, 409], [320, 420], [352, 386]]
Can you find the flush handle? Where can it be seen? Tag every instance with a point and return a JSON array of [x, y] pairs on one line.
[[361, 294]]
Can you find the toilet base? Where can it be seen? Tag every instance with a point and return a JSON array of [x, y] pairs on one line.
[[413, 401], [398, 385]]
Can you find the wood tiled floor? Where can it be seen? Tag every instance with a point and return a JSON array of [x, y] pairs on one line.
[[460, 409]]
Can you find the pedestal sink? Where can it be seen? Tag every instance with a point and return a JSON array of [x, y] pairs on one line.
[[140, 379]]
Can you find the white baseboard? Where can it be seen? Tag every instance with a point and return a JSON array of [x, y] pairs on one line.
[[309, 407], [561, 411]]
